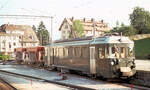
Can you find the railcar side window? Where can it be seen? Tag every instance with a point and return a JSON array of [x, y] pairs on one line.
[[80, 52], [77, 51], [123, 52], [85, 52], [61, 52], [106, 52], [56, 55], [70, 52], [101, 52], [65, 52]]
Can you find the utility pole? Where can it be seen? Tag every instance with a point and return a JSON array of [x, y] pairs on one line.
[[22, 41], [51, 33], [93, 27]]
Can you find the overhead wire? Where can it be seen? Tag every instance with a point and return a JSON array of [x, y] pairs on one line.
[[2, 6]]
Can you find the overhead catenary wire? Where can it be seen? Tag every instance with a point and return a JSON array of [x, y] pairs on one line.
[[30, 17], [3, 5]]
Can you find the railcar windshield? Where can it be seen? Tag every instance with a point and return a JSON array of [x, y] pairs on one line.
[[116, 51], [121, 51]]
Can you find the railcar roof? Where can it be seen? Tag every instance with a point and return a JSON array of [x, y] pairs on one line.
[[91, 40]]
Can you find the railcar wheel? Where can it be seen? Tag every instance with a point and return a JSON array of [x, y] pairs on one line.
[[93, 76], [128, 79], [58, 69]]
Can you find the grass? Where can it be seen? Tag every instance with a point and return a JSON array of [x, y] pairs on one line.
[[142, 48]]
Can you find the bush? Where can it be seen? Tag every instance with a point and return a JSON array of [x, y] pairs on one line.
[[4, 57]]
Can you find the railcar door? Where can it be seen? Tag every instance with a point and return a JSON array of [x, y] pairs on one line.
[[50, 56], [92, 60]]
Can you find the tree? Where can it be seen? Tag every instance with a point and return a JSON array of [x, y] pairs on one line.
[[127, 30], [140, 20], [124, 29], [34, 28], [78, 28], [43, 34], [115, 29]]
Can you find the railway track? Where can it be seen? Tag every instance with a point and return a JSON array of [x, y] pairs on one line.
[[118, 82], [72, 87], [4, 85]]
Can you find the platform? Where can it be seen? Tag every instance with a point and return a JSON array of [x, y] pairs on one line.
[[142, 65]]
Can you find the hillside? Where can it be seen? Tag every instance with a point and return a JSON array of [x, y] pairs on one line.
[[142, 48]]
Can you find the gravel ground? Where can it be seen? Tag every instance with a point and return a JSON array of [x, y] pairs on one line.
[[26, 84], [41, 73]]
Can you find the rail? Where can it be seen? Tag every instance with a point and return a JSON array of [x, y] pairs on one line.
[[48, 81], [6, 85]]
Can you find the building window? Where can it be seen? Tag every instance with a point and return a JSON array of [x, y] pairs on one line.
[[14, 44], [9, 45], [3, 48], [66, 26], [19, 37], [64, 32], [14, 37]]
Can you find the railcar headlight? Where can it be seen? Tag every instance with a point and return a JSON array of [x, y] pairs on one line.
[[112, 63]]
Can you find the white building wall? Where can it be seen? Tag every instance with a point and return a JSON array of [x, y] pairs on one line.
[[65, 32], [11, 42]]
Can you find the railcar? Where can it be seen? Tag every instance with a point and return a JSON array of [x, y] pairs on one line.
[[107, 56], [20, 54], [35, 55], [31, 55]]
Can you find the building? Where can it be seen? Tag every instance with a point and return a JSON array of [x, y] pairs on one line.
[[14, 36], [90, 26]]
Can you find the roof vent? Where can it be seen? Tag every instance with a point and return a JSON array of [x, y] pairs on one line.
[[102, 21], [72, 18], [83, 19], [92, 19]]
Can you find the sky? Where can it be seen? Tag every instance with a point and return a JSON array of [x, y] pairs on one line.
[[108, 10]]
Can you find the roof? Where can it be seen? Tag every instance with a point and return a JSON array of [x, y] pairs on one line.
[[88, 24], [29, 34], [6, 34], [97, 40], [11, 27]]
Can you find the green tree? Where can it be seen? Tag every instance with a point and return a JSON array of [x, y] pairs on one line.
[[43, 34], [127, 30], [78, 28], [117, 23], [140, 20], [115, 29], [124, 29]]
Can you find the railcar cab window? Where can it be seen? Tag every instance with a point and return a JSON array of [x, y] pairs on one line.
[[115, 52], [120, 52], [101, 52], [123, 52], [130, 52]]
